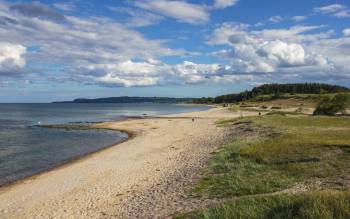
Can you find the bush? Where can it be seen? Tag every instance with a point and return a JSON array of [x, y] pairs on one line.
[[299, 110], [234, 108], [276, 107], [331, 106]]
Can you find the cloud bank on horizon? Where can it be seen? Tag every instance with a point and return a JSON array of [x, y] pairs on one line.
[[172, 42]]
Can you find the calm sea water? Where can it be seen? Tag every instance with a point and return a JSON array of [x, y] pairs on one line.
[[26, 149]]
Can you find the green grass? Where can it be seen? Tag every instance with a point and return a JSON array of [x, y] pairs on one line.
[[301, 147], [304, 122], [231, 174], [234, 107], [317, 205], [276, 113], [273, 153]]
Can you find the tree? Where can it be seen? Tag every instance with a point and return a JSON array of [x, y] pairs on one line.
[[341, 103], [279, 89], [331, 106]]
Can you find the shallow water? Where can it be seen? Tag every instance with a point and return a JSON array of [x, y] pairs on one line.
[[26, 149]]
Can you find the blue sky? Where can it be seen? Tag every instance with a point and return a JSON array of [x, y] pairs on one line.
[[61, 50]]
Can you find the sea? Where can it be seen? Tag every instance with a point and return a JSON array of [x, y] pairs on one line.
[[27, 149]]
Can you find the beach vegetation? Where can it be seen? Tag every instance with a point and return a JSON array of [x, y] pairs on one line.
[[276, 91], [331, 106], [280, 166], [313, 205]]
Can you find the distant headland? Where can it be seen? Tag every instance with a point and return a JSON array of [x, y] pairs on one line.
[[265, 89], [126, 99]]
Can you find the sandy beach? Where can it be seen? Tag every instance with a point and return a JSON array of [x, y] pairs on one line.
[[143, 177]]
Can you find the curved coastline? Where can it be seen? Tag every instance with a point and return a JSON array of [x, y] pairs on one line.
[[70, 161], [125, 181], [76, 159]]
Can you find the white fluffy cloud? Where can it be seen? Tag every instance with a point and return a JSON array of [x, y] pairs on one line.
[[294, 34], [95, 49], [153, 72], [222, 34], [87, 50], [180, 10], [336, 10], [184, 11], [276, 19], [77, 41], [127, 81], [91, 50], [67, 6], [224, 3], [271, 50], [138, 17], [11, 57], [102, 51], [346, 32], [298, 18], [282, 53], [253, 55], [337, 50], [129, 73], [330, 8], [193, 73]]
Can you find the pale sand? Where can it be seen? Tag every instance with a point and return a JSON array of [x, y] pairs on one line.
[[144, 177]]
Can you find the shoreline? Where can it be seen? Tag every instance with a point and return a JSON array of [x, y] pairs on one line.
[[130, 135], [72, 160], [67, 162], [163, 151]]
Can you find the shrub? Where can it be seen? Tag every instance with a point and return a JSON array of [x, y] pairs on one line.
[[331, 106], [299, 110], [276, 107], [234, 108]]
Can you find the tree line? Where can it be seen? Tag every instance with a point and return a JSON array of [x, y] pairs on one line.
[[274, 89]]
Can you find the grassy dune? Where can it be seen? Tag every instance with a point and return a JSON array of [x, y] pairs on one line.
[[284, 101], [280, 166], [290, 100]]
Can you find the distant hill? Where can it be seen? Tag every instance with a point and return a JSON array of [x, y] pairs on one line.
[[275, 90], [126, 99]]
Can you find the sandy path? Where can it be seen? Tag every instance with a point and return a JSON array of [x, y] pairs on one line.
[[144, 177]]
